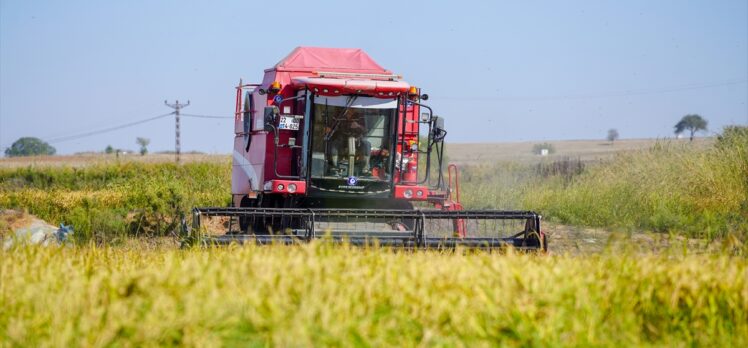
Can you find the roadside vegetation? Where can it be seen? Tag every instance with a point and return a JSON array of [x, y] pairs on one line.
[[668, 188], [108, 202], [671, 187]]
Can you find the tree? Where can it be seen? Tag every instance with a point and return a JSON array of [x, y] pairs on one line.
[[143, 142], [109, 150], [612, 135], [693, 123], [29, 146]]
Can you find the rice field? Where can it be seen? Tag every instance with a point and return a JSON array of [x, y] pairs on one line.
[[317, 294], [125, 282]]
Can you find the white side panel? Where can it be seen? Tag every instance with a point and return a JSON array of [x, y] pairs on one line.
[[247, 169]]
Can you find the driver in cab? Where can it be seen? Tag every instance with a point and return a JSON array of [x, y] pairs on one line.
[[350, 126]]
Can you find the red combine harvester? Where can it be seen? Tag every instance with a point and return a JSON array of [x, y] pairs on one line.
[[331, 144]]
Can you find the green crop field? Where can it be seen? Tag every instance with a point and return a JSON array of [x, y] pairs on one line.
[[119, 285]]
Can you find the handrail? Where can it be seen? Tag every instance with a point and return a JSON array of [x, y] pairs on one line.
[[239, 90], [428, 144], [450, 168]]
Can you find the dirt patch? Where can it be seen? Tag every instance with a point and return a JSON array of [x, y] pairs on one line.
[[218, 225], [11, 220], [563, 239], [584, 150]]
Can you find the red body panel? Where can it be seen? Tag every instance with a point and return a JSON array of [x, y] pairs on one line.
[[417, 193], [348, 71], [282, 186]]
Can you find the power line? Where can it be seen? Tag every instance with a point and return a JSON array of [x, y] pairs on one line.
[[75, 136], [625, 93], [206, 116], [105, 130]]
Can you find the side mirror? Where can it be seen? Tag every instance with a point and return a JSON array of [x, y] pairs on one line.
[[437, 131], [269, 119], [438, 122]]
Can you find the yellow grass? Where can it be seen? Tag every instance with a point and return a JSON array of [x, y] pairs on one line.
[[319, 295]]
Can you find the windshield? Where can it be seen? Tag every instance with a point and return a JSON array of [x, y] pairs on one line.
[[351, 137]]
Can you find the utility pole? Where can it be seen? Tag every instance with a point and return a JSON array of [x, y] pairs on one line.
[[176, 106]]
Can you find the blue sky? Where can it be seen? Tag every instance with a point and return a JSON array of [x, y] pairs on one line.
[[509, 71]]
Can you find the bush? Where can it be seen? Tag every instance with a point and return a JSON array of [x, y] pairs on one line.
[[566, 168], [538, 148]]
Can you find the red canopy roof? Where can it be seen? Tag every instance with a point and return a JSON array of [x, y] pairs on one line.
[[311, 59]]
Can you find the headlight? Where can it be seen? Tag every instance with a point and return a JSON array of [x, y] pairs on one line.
[[291, 188], [408, 193], [280, 187], [419, 193]]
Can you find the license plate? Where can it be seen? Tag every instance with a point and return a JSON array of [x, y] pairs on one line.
[[289, 123]]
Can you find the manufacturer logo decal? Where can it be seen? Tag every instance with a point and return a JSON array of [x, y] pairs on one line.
[[352, 181]]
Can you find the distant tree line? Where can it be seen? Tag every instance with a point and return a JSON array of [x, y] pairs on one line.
[[691, 123]]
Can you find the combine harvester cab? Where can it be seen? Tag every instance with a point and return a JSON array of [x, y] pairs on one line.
[[332, 145]]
